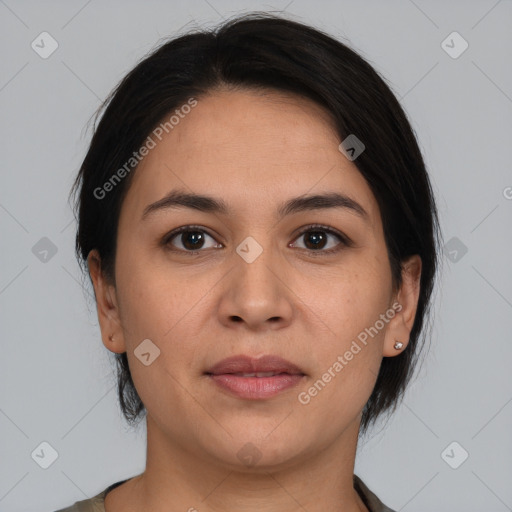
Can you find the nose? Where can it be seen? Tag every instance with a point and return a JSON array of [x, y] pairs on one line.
[[255, 294]]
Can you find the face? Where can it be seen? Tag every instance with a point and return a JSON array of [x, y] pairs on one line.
[[304, 283]]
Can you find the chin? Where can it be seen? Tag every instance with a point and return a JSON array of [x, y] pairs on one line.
[[262, 448]]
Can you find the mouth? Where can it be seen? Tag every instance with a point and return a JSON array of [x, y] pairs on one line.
[[255, 379], [259, 374]]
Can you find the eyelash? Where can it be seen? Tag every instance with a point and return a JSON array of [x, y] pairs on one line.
[[344, 240]]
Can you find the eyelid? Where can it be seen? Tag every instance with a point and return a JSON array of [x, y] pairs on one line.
[[344, 239], [166, 241]]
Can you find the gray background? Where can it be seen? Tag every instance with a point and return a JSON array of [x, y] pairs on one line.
[[57, 382]]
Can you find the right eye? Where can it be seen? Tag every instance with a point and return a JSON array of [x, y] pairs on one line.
[[191, 239]]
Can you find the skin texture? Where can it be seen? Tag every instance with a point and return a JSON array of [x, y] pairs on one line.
[[253, 150]]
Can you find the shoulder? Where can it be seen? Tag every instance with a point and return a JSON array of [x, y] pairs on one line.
[[94, 504], [97, 503], [371, 501]]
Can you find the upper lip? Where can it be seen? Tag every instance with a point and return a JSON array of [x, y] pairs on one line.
[[247, 364]]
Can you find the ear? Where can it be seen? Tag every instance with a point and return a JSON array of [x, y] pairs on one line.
[[107, 306], [399, 328]]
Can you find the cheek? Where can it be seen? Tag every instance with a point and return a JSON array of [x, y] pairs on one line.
[[152, 298], [161, 306], [347, 362], [350, 354], [351, 297]]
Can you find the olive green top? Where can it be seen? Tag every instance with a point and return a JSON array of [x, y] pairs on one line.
[[96, 504]]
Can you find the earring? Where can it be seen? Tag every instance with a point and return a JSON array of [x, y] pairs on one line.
[[398, 345], [111, 337]]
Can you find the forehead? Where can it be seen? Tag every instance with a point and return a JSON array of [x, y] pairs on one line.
[[252, 148]]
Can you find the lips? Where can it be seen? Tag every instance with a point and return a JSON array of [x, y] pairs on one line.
[[255, 379], [247, 366]]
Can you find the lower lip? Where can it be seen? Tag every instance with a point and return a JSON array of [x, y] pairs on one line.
[[256, 388]]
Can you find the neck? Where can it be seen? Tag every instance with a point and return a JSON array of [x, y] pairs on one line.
[[191, 481]]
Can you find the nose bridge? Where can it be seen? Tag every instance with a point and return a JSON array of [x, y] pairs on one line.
[[256, 262], [256, 292]]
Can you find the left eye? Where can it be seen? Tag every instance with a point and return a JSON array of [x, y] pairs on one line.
[[317, 239]]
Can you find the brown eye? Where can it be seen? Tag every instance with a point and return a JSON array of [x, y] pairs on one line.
[[315, 239], [189, 239], [322, 240]]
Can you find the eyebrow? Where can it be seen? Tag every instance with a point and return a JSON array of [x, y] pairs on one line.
[[204, 203]]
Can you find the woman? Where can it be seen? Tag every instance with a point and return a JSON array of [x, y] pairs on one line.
[[261, 234]]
